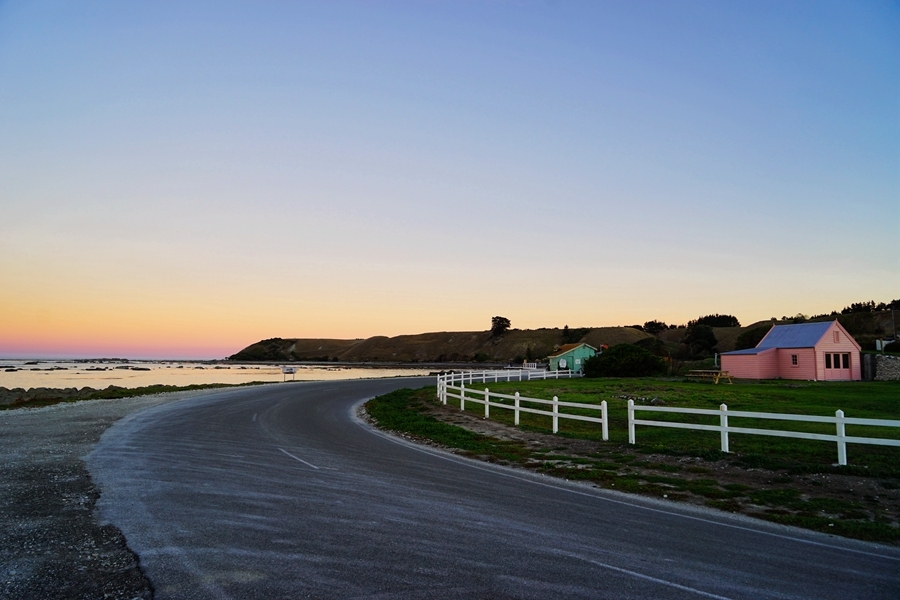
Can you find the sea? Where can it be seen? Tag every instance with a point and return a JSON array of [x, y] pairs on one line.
[[102, 373]]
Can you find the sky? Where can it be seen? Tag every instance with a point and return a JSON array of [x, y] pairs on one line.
[[182, 179]]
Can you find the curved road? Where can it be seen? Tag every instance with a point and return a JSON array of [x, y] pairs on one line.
[[280, 492]]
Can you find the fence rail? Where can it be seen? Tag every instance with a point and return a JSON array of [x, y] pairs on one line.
[[489, 399], [839, 421]]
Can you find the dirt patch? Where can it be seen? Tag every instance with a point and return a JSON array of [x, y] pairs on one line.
[[51, 544]]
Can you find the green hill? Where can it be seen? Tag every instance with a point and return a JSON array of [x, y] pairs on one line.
[[444, 346]]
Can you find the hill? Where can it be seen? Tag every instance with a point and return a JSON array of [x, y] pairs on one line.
[[444, 346]]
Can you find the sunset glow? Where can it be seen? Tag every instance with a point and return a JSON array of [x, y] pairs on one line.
[[182, 181]]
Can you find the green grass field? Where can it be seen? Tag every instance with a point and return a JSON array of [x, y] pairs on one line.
[[875, 400]]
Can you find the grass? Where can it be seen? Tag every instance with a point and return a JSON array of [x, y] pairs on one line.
[[113, 392], [875, 400], [619, 466]]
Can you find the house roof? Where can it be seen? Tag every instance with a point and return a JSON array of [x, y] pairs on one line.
[[568, 348], [801, 335]]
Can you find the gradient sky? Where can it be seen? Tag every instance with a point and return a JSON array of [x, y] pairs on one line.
[[181, 179]]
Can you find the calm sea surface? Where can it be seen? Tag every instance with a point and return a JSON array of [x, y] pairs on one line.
[[132, 374]]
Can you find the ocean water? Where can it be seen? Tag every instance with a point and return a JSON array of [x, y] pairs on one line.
[[100, 374]]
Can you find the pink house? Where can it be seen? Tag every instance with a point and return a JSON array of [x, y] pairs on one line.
[[812, 351]]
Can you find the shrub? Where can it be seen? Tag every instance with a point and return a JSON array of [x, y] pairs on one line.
[[654, 346], [624, 360]]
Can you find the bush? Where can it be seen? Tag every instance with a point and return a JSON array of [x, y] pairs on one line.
[[624, 360], [654, 346]]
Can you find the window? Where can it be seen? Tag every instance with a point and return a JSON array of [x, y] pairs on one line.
[[794, 360], [845, 359], [837, 337], [827, 361]]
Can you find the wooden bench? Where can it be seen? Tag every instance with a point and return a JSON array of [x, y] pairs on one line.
[[714, 375]]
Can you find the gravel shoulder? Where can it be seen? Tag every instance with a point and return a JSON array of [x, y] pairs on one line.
[[51, 543]]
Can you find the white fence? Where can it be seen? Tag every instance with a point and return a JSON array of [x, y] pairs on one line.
[[839, 420], [502, 375], [489, 399]]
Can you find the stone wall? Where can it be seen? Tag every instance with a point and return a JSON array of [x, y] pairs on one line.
[[887, 368]]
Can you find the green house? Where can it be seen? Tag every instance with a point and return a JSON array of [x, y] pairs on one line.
[[571, 357]]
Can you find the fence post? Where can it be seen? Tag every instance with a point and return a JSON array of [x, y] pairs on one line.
[[841, 434], [487, 403], [723, 423], [555, 414], [516, 410], [631, 421], [462, 396], [605, 424]]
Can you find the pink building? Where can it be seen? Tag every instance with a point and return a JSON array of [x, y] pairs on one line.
[[812, 351]]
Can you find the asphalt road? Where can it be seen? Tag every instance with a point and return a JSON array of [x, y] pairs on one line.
[[280, 492]]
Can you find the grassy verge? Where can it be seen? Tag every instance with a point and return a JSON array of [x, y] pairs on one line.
[[788, 484], [874, 400], [113, 392]]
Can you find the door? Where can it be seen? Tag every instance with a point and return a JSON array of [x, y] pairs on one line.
[[837, 366]]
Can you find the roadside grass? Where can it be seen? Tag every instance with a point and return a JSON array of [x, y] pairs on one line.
[[114, 392], [694, 469], [874, 400], [400, 411]]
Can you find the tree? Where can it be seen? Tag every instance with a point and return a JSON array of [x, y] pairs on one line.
[[655, 327], [499, 325], [717, 320], [700, 339], [752, 337], [624, 360]]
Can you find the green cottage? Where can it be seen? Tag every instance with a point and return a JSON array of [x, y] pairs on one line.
[[571, 357]]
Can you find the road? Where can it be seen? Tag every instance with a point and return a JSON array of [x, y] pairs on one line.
[[281, 492]]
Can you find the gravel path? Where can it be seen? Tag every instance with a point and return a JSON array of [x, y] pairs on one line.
[[51, 544]]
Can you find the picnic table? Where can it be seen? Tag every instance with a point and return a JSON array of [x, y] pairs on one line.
[[715, 375]]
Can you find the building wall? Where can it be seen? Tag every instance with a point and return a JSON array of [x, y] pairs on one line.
[[844, 344], [581, 353], [805, 368], [751, 366]]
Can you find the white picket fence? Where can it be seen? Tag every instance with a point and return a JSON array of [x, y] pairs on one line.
[[839, 420], [489, 399]]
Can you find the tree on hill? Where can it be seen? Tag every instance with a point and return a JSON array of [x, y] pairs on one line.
[[499, 325], [752, 337], [717, 320], [655, 327], [699, 339], [570, 336], [624, 360]]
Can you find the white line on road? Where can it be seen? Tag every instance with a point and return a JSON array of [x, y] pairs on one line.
[[643, 576], [299, 459]]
